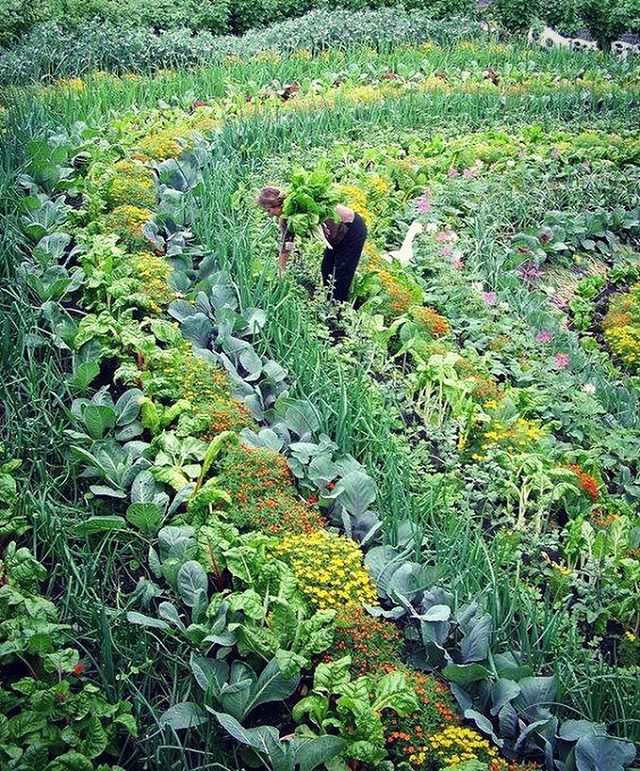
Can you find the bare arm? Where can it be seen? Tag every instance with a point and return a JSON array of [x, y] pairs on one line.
[[286, 247]]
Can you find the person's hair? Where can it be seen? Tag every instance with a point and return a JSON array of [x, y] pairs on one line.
[[270, 196]]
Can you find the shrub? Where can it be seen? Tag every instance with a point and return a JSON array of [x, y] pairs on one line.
[[563, 15], [444, 9], [608, 19], [514, 15], [211, 15], [18, 16]]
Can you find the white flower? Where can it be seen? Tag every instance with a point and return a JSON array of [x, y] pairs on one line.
[[478, 286], [589, 388], [504, 306], [432, 227]]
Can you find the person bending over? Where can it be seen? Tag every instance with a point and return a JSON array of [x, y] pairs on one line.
[[344, 237]]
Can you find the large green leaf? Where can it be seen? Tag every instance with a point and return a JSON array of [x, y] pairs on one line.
[[70, 761], [356, 492], [475, 643], [187, 714], [99, 524], [393, 692], [315, 751], [133, 617], [147, 517], [464, 674], [597, 753], [261, 738], [209, 673], [332, 675], [98, 420], [143, 487], [94, 738], [272, 685], [192, 578]]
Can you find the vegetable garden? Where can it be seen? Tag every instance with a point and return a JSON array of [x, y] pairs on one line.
[[227, 542]]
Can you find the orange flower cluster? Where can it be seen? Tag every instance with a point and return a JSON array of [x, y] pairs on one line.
[[373, 644], [485, 387], [259, 483], [407, 736], [499, 764], [436, 324], [400, 298], [228, 416], [586, 482]]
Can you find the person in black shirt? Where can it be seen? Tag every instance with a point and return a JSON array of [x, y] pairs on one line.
[[343, 236]]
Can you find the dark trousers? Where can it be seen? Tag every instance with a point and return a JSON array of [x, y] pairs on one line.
[[339, 264]]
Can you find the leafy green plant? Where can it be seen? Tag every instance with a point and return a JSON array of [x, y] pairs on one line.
[[356, 711], [310, 201], [12, 522]]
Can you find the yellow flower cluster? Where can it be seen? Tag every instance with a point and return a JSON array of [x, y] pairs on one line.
[[380, 186], [622, 327], [127, 222], [154, 272], [132, 183], [268, 56], [328, 568], [159, 145], [356, 198], [303, 54], [419, 757], [511, 437], [456, 744], [71, 84]]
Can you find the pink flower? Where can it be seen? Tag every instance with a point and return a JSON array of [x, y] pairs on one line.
[[447, 252], [453, 172], [489, 297], [424, 205], [446, 236], [469, 173], [544, 336], [458, 263], [562, 360]]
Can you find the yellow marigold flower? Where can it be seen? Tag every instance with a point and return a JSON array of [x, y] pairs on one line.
[[160, 145], [128, 223], [154, 271], [310, 555], [132, 183], [71, 84]]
